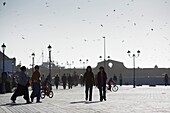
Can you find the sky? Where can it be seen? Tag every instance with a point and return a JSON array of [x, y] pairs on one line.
[[75, 30]]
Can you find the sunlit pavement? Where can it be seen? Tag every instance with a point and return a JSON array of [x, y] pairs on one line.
[[143, 99]]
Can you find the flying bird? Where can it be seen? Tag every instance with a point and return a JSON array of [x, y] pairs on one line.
[[4, 3], [101, 25], [23, 38]]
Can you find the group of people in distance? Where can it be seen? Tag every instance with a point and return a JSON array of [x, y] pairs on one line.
[[23, 83], [99, 81]]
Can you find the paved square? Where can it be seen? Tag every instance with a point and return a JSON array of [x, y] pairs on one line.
[[143, 99]]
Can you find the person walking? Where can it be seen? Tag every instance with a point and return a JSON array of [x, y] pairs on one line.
[[57, 80], [22, 86], [64, 80], [101, 83], [70, 82], [36, 85], [88, 80], [166, 79], [120, 79]]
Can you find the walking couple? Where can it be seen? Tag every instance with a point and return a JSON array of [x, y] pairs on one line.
[[99, 81], [23, 83]]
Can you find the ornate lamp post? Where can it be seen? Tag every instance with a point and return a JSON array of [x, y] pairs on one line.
[[104, 51], [33, 56], [84, 63], [134, 56], [3, 49], [49, 49], [3, 73], [69, 64]]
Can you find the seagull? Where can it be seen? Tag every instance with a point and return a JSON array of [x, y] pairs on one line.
[[72, 47], [4, 3], [78, 7], [152, 29], [23, 38], [101, 25]]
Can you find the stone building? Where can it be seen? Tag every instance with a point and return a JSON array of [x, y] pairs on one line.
[[144, 76]]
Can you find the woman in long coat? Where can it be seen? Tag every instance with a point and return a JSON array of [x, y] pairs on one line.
[[88, 80]]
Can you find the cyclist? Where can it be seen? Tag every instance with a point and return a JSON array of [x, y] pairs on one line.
[[110, 82]]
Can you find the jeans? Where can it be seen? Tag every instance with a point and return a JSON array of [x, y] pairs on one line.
[[102, 92], [36, 91], [89, 87]]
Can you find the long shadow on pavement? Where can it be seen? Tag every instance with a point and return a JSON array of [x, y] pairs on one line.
[[14, 104], [85, 102]]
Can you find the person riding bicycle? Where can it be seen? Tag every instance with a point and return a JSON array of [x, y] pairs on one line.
[[46, 86], [114, 80], [110, 82]]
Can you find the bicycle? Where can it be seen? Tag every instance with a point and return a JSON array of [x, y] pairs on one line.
[[46, 91], [114, 88]]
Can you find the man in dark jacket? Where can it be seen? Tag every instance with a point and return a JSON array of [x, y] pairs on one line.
[[57, 80], [70, 82], [88, 79], [64, 80], [101, 83]]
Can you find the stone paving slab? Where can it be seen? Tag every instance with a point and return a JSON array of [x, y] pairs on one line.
[[143, 99]]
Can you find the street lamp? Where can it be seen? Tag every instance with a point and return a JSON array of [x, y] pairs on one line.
[[3, 49], [49, 49], [104, 51], [84, 63], [3, 77], [33, 56], [69, 64], [105, 59], [133, 56]]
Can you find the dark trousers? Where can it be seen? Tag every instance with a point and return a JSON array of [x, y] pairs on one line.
[[89, 88], [64, 85], [36, 91], [120, 82], [102, 92], [56, 85], [69, 85], [21, 90]]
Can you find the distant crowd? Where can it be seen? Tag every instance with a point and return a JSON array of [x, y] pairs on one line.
[[38, 83]]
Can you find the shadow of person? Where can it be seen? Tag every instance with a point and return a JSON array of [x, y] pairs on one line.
[[77, 102], [13, 104], [92, 102], [86, 102]]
